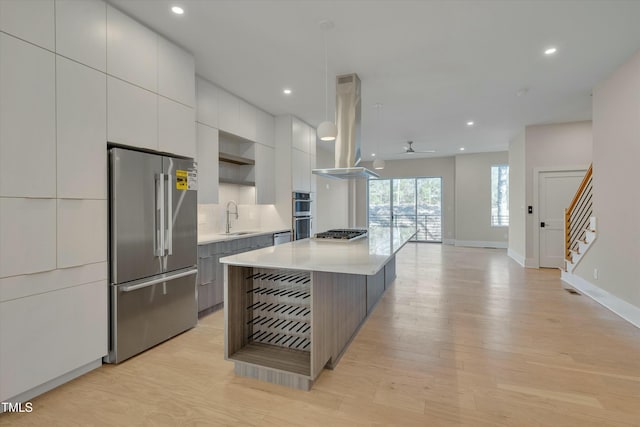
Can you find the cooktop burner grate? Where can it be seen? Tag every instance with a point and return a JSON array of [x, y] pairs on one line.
[[342, 234]]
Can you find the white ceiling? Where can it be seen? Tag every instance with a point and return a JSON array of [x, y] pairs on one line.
[[433, 65]]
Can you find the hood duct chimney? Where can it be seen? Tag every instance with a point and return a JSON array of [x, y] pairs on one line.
[[347, 148]]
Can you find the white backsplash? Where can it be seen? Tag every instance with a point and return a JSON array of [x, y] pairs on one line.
[[212, 217]]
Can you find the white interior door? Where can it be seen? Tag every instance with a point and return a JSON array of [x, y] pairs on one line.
[[555, 192]]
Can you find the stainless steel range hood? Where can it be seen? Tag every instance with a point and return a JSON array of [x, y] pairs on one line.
[[348, 139]]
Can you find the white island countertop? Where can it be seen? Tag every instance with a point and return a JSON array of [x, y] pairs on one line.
[[364, 256]]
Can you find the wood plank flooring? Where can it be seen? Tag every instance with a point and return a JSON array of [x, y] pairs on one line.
[[464, 337]]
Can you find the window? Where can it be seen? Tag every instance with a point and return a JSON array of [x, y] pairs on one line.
[[409, 203], [500, 196]]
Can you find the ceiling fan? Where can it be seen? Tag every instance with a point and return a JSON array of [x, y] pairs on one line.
[[409, 149]]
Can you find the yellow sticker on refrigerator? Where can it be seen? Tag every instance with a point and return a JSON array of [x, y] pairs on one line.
[[181, 180]]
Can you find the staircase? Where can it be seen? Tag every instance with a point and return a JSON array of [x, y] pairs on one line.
[[580, 224]]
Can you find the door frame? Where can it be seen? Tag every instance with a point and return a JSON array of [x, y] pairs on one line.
[[536, 204]]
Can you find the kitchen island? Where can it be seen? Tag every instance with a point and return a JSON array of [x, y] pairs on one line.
[[292, 309]]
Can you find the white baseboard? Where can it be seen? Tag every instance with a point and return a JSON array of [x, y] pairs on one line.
[[50, 385], [627, 311], [516, 257], [449, 242], [481, 244], [531, 263]]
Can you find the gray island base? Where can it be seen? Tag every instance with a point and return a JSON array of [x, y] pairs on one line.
[[292, 310]]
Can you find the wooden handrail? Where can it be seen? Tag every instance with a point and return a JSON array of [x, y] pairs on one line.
[[569, 210], [583, 184]]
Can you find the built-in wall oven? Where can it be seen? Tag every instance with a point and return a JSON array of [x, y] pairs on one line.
[[301, 208]]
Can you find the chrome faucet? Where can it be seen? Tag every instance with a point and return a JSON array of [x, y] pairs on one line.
[[228, 229]]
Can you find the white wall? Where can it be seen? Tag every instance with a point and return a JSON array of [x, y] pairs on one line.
[[428, 167], [473, 200], [517, 205], [332, 196], [556, 145], [616, 205]]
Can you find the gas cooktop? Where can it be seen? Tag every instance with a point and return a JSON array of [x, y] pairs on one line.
[[342, 234]]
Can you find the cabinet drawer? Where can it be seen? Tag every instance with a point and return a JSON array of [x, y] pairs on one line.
[[207, 269]]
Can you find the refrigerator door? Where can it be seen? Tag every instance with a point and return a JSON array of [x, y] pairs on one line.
[[135, 214], [150, 311], [181, 216]]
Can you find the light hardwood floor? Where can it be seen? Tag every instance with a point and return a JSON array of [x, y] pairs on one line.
[[464, 337]]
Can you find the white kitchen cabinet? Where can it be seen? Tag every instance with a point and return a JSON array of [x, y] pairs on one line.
[[206, 103], [27, 120], [132, 116], [28, 230], [301, 173], [313, 139], [30, 20], [176, 73], [228, 116], [81, 31], [265, 174], [132, 50], [48, 335], [82, 131], [176, 128], [207, 158], [265, 128], [246, 120], [82, 232], [299, 135]]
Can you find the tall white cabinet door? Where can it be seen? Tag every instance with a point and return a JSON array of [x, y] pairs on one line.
[[82, 131], [265, 128], [176, 128], [207, 159], [28, 230], [27, 120], [299, 135], [176, 73], [301, 179], [81, 31], [50, 334], [132, 50], [30, 20], [132, 115], [246, 120], [265, 174], [82, 232], [228, 112], [207, 103]]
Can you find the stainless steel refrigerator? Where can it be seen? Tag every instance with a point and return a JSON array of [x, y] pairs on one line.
[[152, 250]]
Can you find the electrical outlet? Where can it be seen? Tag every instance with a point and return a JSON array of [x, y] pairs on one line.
[[595, 273]]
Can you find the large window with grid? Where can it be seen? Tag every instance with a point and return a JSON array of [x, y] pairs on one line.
[[409, 203]]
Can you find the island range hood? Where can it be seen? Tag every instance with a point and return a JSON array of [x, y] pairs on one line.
[[348, 139]]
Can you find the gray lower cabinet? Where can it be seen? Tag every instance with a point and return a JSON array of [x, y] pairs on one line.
[[211, 272]]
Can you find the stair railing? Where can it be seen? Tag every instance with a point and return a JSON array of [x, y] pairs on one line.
[[578, 214]]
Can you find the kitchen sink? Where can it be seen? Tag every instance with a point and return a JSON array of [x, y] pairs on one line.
[[241, 233]]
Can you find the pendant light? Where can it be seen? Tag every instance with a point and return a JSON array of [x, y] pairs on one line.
[[327, 131], [378, 163]]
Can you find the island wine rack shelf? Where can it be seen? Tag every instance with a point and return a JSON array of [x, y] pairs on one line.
[[280, 311]]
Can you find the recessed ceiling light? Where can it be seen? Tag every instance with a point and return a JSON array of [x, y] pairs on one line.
[[177, 10], [287, 91], [461, 148], [470, 123], [373, 154], [550, 51]]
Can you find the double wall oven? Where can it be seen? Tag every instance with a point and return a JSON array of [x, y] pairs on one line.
[[301, 208]]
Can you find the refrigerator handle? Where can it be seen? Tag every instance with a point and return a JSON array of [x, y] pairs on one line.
[[170, 215], [159, 229]]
